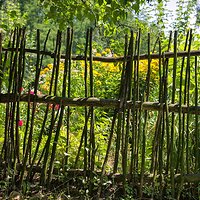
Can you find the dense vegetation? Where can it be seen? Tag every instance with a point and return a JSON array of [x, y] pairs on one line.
[[110, 22]]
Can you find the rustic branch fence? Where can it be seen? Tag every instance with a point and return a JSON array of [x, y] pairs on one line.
[[163, 154]]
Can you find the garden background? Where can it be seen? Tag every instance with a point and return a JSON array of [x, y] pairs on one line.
[[99, 100]]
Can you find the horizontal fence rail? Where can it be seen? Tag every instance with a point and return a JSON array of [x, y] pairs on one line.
[[97, 102], [111, 59]]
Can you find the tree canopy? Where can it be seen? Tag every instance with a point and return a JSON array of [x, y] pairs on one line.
[[95, 13], [98, 12]]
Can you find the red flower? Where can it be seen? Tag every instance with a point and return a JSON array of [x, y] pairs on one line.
[[21, 89], [20, 122]]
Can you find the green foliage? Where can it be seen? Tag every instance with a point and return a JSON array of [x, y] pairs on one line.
[[111, 20], [11, 16], [185, 8], [97, 12]]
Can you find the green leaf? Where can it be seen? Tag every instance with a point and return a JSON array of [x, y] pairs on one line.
[[13, 13], [100, 2]]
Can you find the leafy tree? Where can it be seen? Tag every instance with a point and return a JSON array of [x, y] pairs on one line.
[[98, 12], [185, 8], [10, 15]]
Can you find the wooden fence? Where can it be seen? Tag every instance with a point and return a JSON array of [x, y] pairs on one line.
[[147, 143]]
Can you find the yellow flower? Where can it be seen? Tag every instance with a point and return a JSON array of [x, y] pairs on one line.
[[62, 67], [104, 64], [155, 62], [98, 54], [113, 68], [50, 66], [42, 73], [154, 68], [96, 73], [46, 70], [107, 50], [82, 63], [45, 86], [103, 53], [98, 82]]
